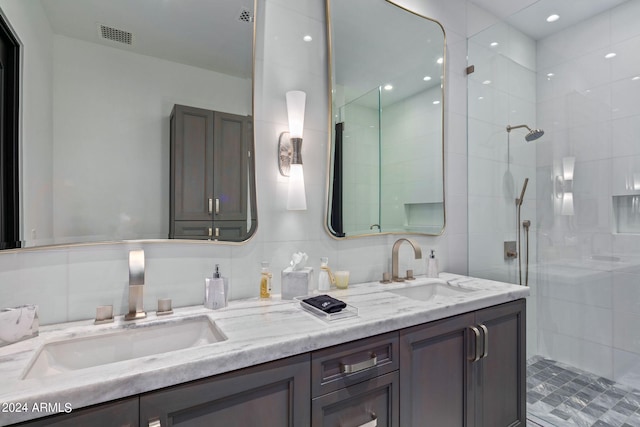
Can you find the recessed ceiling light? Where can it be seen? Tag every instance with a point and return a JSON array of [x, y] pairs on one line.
[[440, 60], [494, 44], [436, 102], [307, 38], [480, 98], [388, 87], [426, 78], [486, 82], [610, 55], [636, 78], [550, 74], [553, 18]]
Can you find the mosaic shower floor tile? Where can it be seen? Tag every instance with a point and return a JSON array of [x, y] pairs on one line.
[[560, 395]]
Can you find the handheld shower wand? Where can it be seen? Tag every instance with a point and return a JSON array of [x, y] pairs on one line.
[[524, 188], [518, 208]]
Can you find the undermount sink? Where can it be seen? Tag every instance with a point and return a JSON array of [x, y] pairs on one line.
[[125, 343], [431, 291]]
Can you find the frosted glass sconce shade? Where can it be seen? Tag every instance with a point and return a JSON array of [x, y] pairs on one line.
[[568, 164], [567, 204], [295, 110], [296, 198]]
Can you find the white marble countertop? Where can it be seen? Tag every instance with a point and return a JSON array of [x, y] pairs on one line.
[[258, 331]]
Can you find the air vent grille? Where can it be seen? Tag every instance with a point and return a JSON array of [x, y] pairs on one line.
[[245, 15], [114, 34]]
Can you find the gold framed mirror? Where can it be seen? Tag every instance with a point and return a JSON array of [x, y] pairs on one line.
[[386, 149]]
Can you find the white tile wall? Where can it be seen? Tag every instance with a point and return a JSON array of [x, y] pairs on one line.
[[68, 283]]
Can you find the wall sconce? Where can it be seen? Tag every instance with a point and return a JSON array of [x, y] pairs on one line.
[[563, 186], [290, 151]]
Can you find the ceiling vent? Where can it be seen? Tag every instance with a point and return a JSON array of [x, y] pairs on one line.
[[114, 34], [245, 15]]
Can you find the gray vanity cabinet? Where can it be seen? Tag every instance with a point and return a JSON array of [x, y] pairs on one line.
[[210, 169], [463, 371], [274, 394], [466, 371]]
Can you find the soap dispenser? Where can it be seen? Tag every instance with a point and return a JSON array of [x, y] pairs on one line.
[[432, 266], [215, 291]]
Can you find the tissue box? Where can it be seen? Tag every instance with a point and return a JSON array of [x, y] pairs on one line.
[[18, 323], [296, 283]]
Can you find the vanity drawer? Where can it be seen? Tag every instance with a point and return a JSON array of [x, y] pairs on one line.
[[374, 402], [343, 365]]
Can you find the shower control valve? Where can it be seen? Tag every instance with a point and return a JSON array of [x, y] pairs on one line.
[[510, 251]]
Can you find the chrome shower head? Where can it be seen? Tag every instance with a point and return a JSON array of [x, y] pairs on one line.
[[534, 134], [531, 136]]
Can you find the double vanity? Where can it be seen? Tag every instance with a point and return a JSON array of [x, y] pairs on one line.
[[448, 349]]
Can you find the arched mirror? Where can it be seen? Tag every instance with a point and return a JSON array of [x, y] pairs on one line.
[[386, 154], [124, 81]]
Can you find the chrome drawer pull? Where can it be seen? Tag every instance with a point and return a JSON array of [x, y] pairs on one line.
[[356, 367], [210, 206], [155, 422]]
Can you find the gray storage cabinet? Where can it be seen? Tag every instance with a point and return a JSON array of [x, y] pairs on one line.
[[211, 171]]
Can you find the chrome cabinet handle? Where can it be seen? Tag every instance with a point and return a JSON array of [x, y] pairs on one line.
[[155, 422], [356, 367], [485, 349], [210, 231], [476, 356], [210, 206], [217, 234], [217, 206]]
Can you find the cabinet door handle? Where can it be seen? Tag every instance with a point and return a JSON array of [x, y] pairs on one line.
[[476, 354], [210, 206], [356, 367], [217, 232], [217, 206], [210, 231], [372, 423], [485, 347], [155, 422]]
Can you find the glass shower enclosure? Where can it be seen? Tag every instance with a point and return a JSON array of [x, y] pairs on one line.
[[579, 83]]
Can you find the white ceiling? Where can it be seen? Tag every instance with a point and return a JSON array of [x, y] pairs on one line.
[[376, 43], [202, 33], [529, 16]]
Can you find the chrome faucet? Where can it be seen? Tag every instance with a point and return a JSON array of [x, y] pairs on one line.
[[417, 251], [136, 285]]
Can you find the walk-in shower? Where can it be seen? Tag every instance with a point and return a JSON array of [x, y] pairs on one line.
[[583, 349]]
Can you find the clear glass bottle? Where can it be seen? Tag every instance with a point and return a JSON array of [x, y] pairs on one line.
[[325, 278], [265, 281]]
